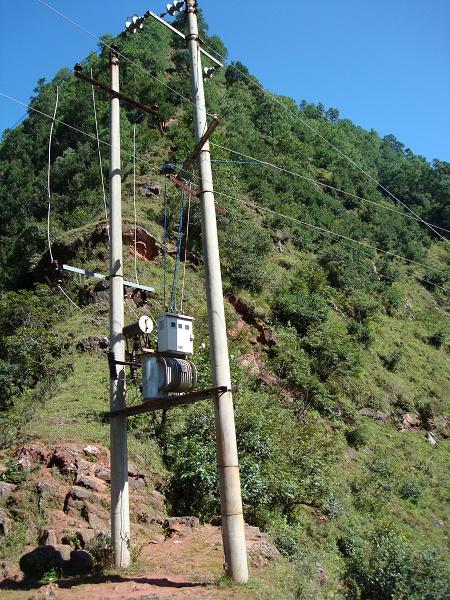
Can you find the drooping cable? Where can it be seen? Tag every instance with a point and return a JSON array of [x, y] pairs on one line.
[[178, 255], [165, 240], [100, 157], [72, 127], [48, 175], [69, 298], [188, 217], [134, 203], [333, 233]]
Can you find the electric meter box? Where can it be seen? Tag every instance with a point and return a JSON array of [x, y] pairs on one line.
[[175, 334]]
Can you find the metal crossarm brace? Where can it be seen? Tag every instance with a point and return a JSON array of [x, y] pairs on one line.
[[199, 146], [182, 185], [132, 284], [149, 13], [114, 94], [164, 403]]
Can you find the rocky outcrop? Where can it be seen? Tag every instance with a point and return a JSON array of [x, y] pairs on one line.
[[93, 343], [69, 486]]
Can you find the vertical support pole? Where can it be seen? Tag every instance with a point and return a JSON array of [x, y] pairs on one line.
[[120, 518], [233, 532]]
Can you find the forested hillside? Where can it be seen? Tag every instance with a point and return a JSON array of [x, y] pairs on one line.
[[337, 306]]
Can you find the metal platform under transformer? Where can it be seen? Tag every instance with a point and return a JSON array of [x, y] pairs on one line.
[[169, 402]]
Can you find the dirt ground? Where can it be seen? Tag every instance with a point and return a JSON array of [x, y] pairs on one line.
[[188, 565]]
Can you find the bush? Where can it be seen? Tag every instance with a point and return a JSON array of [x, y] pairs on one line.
[[361, 331], [357, 436], [391, 362], [14, 473], [382, 566], [437, 339], [244, 247], [101, 550]]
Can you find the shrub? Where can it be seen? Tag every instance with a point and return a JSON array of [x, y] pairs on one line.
[[357, 436], [361, 331], [101, 550], [437, 339], [297, 307], [391, 362], [14, 473], [382, 566]]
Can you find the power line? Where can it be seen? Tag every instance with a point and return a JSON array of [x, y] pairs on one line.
[[266, 226], [134, 203], [100, 158], [323, 230], [323, 138], [221, 193], [327, 231], [324, 185], [272, 96], [48, 175], [126, 58], [89, 135]]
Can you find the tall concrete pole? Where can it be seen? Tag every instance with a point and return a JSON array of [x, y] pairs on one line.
[[120, 517], [233, 532]]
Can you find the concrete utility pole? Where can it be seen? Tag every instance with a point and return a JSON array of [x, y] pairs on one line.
[[120, 517], [233, 532]]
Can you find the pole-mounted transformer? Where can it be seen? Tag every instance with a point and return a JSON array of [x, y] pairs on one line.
[[167, 371]]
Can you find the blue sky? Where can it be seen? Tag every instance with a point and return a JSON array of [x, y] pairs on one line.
[[383, 64]]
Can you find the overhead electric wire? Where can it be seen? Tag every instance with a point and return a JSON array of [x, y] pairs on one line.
[[89, 135], [333, 233], [49, 173], [165, 241], [421, 279], [316, 182], [324, 139], [323, 230], [186, 248], [69, 298], [273, 97], [178, 255], [100, 158], [134, 204], [126, 58]]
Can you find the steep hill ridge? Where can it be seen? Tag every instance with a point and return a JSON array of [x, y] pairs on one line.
[[340, 354]]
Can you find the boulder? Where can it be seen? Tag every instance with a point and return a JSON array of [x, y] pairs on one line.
[[79, 493], [60, 557], [133, 471], [91, 450], [175, 525], [376, 415], [80, 563], [150, 189], [43, 559], [46, 494], [411, 421], [260, 549], [48, 538], [85, 536], [104, 474], [6, 489], [65, 459]]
